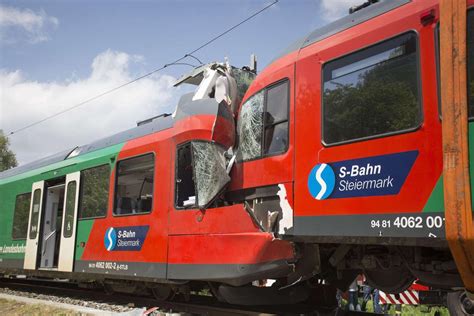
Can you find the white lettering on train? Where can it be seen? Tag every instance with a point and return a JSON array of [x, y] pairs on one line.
[[357, 170]]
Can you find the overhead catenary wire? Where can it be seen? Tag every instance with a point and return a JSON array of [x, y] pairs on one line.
[[198, 60], [176, 62]]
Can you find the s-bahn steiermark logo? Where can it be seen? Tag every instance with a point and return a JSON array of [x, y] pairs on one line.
[[321, 181], [110, 239], [130, 238], [369, 176]]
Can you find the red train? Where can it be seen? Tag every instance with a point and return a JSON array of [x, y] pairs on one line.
[[330, 166]]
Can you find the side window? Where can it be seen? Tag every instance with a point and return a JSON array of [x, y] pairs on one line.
[[70, 205], [134, 185], [263, 123], [372, 92], [94, 195], [35, 214], [20, 217], [470, 61], [276, 119], [185, 186]]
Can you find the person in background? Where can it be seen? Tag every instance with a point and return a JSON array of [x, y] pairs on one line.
[[371, 293], [339, 298], [375, 297], [353, 296], [367, 293]]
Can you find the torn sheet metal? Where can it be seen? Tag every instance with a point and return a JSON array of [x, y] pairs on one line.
[[210, 174], [271, 210], [207, 85], [220, 81], [286, 219], [223, 130], [194, 77]]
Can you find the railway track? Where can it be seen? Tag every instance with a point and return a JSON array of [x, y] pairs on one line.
[[198, 305]]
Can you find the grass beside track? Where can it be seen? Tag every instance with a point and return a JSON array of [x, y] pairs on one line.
[[9, 307], [409, 310]]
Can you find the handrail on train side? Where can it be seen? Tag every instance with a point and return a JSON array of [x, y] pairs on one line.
[[457, 188]]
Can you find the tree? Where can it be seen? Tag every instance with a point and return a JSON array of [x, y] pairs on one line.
[[7, 157]]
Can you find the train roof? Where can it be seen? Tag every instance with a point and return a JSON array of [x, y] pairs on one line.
[[157, 124], [164, 122], [188, 105], [344, 23]]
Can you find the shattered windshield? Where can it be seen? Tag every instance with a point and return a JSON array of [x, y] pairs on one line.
[[210, 171], [249, 128], [243, 79]]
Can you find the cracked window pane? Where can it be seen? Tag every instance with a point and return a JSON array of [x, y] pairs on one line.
[[249, 127], [210, 171], [243, 79]]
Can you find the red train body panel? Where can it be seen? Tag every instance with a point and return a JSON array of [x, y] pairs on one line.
[[284, 199]]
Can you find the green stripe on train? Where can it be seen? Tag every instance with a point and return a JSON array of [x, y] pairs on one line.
[[18, 184]]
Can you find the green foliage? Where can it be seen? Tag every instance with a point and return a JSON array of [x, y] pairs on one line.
[[420, 310], [408, 310], [7, 157]]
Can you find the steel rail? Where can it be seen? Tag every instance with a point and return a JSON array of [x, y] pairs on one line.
[[199, 305]]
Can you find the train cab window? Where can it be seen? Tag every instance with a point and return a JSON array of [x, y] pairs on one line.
[[94, 197], [470, 61], [372, 92], [134, 185], [35, 214], [20, 217], [249, 127], [263, 123], [185, 186], [69, 212], [201, 174]]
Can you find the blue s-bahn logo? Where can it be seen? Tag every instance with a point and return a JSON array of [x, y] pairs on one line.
[[110, 239], [370, 176], [130, 238], [321, 181]]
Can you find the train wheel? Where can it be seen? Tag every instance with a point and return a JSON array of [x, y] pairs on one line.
[[346, 277], [391, 281], [214, 287], [162, 292], [459, 304], [108, 289]]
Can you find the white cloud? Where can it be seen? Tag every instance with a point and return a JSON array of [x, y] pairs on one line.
[[24, 101], [25, 25], [334, 9]]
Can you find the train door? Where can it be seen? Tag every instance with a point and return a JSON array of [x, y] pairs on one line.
[[50, 224], [69, 222], [31, 252]]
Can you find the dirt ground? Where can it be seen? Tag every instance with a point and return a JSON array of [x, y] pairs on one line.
[[8, 307]]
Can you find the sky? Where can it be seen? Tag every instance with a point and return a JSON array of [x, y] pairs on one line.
[[55, 54]]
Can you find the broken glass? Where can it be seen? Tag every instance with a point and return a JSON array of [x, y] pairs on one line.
[[243, 78], [249, 128], [210, 171]]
